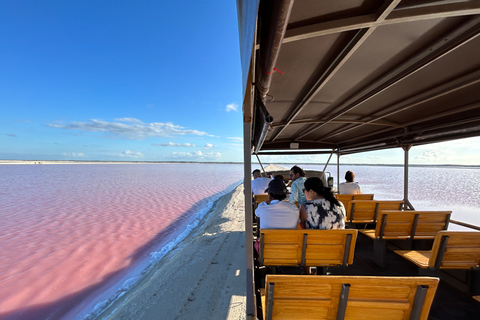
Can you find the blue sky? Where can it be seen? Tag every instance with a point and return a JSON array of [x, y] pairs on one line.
[[136, 81]]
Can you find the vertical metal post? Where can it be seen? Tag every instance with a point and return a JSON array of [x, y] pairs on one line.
[[342, 301], [346, 253], [441, 252], [418, 302], [338, 172], [407, 204], [247, 184], [270, 293], [304, 250]]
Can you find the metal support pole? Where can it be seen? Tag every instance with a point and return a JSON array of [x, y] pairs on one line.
[[338, 172], [328, 161], [260, 163], [407, 204], [247, 184]]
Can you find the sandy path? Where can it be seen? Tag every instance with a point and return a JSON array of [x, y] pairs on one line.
[[203, 278]]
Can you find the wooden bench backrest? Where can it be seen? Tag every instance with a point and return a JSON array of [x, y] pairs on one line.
[[455, 250], [411, 224], [365, 211], [346, 198], [259, 198], [348, 297], [287, 247]]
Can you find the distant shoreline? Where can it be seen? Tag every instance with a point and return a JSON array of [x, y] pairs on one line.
[[36, 162]]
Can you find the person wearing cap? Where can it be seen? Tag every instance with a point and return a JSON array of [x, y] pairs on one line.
[[298, 179], [276, 213], [350, 186], [259, 183]]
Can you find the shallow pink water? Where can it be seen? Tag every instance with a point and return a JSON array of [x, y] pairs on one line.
[[68, 232]]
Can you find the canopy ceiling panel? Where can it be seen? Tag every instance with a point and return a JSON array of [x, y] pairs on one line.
[[356, 76]]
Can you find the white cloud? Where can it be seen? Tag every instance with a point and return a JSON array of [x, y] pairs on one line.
[[171, 144], [428, 156], [231, 107], [236, 141], [74, 154], [208, 146], [130, 154], [130, 128], [195, 155]]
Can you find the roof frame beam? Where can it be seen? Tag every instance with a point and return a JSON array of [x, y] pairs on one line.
[[424, 129], [370, 20], [404, 70], [376, 123], [361, 36], [434, 93]]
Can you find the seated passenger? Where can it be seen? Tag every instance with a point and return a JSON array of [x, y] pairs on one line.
[[322, 210], [298, 178], [259, 183], [276, 213], [349, 187]]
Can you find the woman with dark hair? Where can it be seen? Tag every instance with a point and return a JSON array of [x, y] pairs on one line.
[[322, 210], [349, 186]]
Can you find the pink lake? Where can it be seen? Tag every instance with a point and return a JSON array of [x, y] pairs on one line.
[[73, 234]]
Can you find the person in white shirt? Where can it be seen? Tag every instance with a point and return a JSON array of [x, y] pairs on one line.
[[259, 183], [350, 186], [277, 213]]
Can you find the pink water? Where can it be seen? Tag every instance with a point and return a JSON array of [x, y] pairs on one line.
[[70, 232], [430, 188]]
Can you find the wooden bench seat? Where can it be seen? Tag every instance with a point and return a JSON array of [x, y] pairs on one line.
[[366, 211], [348, 297], [346, 198], [450, 250], [405, 225], [307, 247], [455, 257]]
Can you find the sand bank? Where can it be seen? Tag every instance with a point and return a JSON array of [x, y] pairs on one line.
[[202, 278]]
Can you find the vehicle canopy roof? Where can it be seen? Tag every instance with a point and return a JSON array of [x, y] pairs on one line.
[[354, 76]]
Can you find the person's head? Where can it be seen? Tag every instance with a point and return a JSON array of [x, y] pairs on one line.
[[296, 172], [276, 190], [314, 188], [256, 174], [279, 176], [349, 176]]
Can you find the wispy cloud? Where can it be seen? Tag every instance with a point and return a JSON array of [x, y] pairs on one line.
[[428, 156], [130, 154], [11, 135], [130, 128], [195, 155], [231, 107], [171, 144], [74, 154], [209, 146], [236, 141]]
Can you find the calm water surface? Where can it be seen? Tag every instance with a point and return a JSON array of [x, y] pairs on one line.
[[430, 188], [72, 235], [69, 232]]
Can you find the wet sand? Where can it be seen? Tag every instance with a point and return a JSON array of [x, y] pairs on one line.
[[202, 278]]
